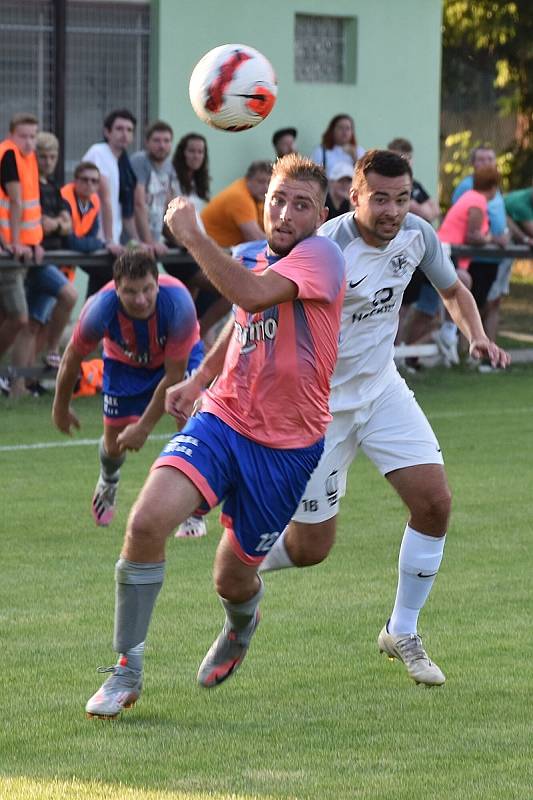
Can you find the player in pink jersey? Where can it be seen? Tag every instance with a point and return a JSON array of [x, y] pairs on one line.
[[259, 434]]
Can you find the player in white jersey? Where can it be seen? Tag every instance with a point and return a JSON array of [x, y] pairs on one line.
[[371, 404]]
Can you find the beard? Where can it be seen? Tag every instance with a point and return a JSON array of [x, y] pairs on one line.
[[283, 250]]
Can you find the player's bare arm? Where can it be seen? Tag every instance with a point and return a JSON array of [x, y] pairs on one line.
[[462, 308], [181, 398], [134, 435], [250, 291], [63, 416]]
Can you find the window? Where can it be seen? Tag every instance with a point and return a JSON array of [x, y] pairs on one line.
[[107, 66], [324, 49], [26, 61]]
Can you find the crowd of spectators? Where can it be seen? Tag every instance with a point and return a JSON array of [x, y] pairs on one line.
[[116, 200]]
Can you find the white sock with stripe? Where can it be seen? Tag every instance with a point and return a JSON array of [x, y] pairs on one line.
[[419, 562]]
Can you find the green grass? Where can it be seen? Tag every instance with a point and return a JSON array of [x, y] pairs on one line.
[[314, 712]]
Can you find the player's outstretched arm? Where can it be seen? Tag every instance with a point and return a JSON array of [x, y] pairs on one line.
[[63, 416], [181, 398], [239, 285], [463, 310], [134, 435]]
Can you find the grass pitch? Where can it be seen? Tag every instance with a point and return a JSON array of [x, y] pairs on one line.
[[315, 712]]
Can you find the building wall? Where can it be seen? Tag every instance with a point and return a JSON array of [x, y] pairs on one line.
[[396, 90]]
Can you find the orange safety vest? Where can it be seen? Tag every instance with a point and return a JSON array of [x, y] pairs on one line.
[[90, 379], [81, 224], [30, 231]]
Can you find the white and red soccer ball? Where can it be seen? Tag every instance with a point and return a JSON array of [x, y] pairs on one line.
[[233, 87]]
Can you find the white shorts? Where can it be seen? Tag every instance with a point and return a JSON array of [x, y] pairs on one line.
[[392, 431]]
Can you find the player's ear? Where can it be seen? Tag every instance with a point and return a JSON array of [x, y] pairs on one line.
[[324, 214], [353, 196]]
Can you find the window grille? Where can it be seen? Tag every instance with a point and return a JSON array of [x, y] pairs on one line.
[[322, 49], [26, 61], [107, 67]]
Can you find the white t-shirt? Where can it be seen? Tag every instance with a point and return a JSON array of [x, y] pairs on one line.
[[102, 155], [376, 279], [337, 155], [195, 199]]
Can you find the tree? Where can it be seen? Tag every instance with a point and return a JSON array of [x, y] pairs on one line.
[[499, 36]]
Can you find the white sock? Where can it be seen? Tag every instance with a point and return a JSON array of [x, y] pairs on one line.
[[277, 557], [419, 562]]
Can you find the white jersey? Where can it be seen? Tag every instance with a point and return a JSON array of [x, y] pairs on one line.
[[376, 279]]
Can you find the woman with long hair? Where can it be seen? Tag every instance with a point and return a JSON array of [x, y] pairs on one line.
[[191, 164], [339, 144]]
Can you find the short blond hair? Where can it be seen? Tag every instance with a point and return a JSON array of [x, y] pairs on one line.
[[300, 168], [22, 119], [47, 141]]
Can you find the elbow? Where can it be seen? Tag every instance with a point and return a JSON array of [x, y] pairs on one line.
[[252, 303]]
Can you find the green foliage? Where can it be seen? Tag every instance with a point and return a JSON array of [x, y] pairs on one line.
[[496, 37]]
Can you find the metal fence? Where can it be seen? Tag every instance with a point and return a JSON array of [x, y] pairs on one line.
[[107, 66]]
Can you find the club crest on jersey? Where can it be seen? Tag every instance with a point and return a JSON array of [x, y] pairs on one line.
[[399, 265]]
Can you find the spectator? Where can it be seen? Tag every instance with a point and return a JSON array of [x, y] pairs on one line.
[[467, 222], [235, 215], [284, 141], [154, 173], [84, 204], [480, 158], [20, 222], [421, 302], [338, 144], [191, 179], [50, 295], [191, 167], [116, 189], [421, 203], [519, 208], [338, 196]]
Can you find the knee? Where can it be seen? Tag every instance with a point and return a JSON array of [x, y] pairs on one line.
[[143, 530], [68, 297], [309, 544], [17, 322], [433, 511], [237, 588]]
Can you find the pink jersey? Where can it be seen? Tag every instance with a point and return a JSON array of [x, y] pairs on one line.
[[455, 224], [275, 384]]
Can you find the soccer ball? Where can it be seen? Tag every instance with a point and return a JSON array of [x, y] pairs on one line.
[[233, 87]]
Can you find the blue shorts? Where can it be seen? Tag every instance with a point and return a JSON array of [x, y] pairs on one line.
[[195, 357], [260, 486], [428, 301], [43, 285], [127, 390], [120, 411]]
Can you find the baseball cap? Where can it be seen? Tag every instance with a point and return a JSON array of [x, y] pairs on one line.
[[340, 170], [284, 132]]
